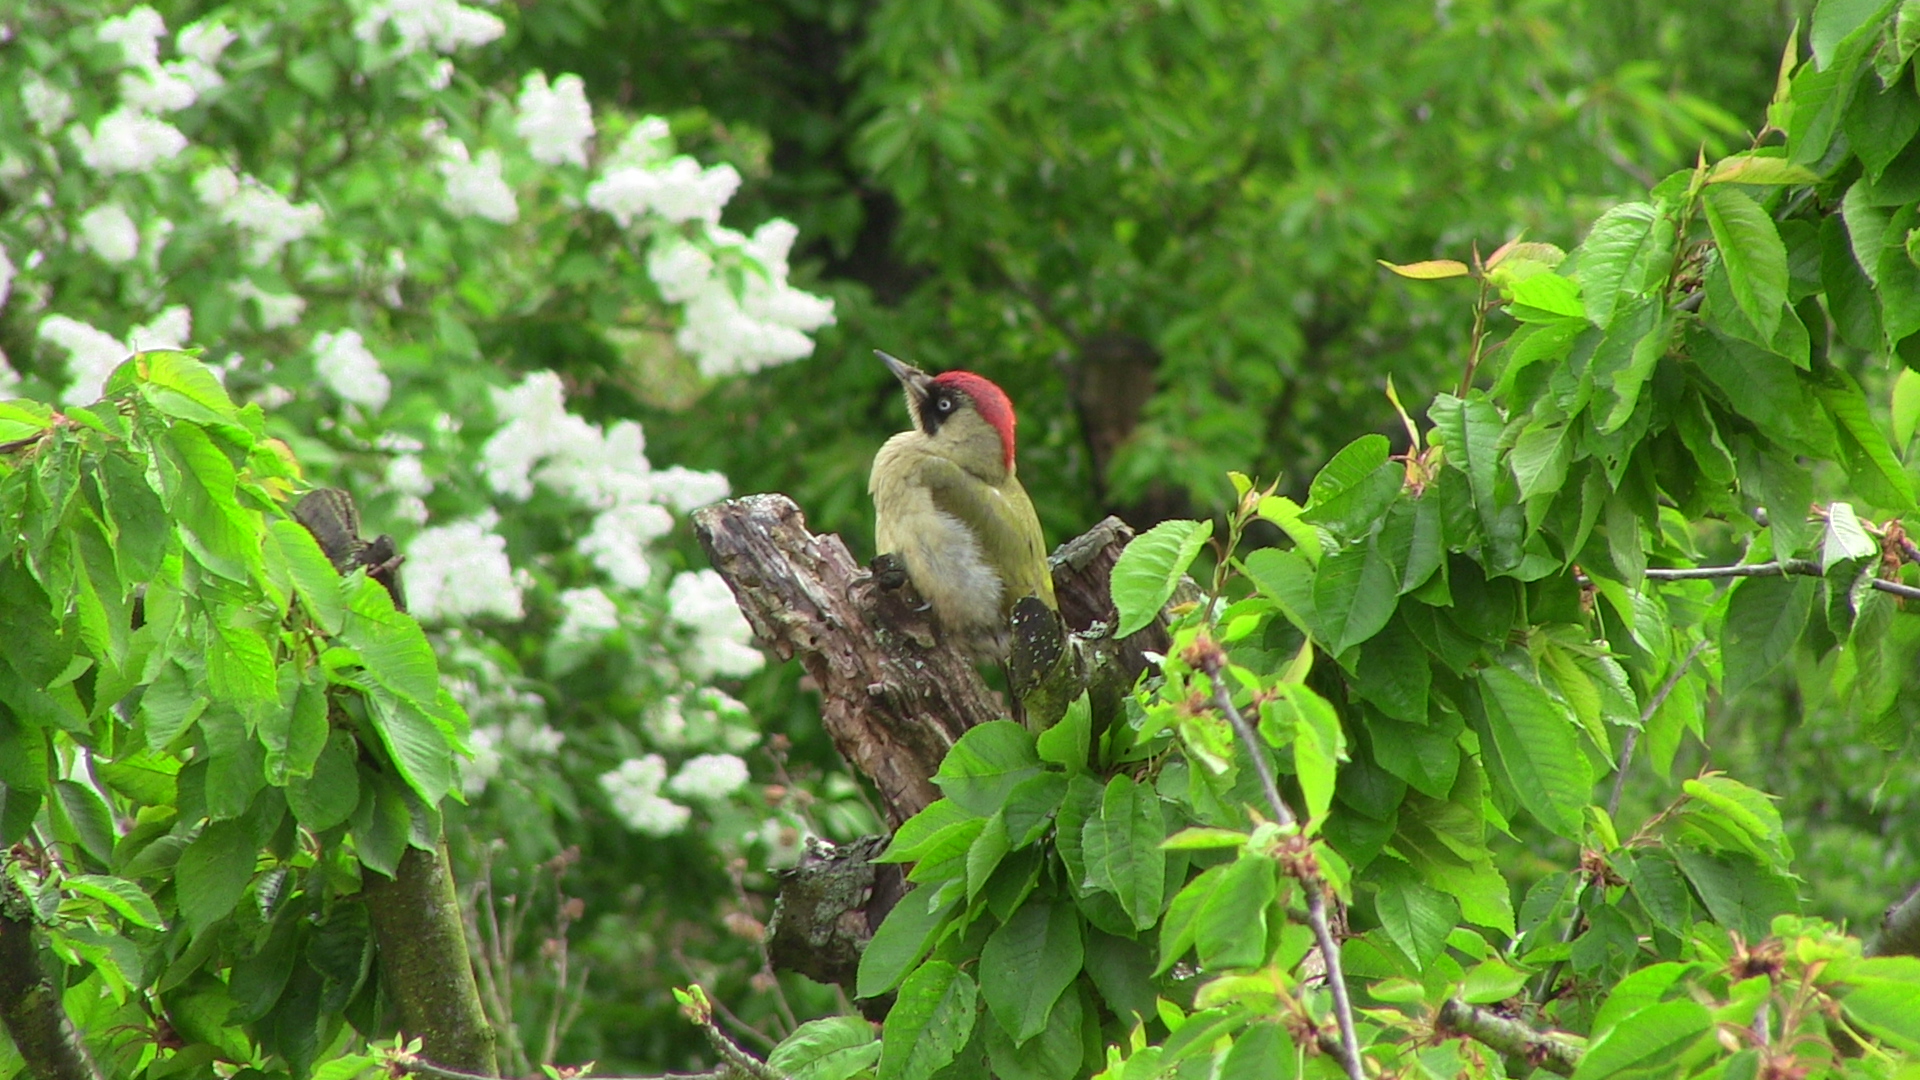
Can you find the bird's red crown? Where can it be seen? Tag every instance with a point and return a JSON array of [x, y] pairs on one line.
[[988, 400]]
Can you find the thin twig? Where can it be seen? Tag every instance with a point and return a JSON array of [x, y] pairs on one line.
[[1212, 661], [1633, 734], [1799, 567], [419, 1066]]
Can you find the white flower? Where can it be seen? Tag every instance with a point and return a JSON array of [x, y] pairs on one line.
[[349, 369], [127, 140], [476, 773], [634, 787], [647, 142], [138, 34], [709, 777], [556, 122], [475, 188], [679, 190], [204, 41], [47, 105], [441, 76], [216, 186], [722, 641], [681, 270], [168, 330], [109, 233], [529, 735], [92, 354], [618, 541], [686, 489], [461, 570], [6, 276], [785, 838], [406, 475], [201, 77], [588, 614], [443, 24], [269, 220], [156, 90], [277, 310]]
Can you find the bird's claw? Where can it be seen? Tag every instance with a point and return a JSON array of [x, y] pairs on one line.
[[888, 572]]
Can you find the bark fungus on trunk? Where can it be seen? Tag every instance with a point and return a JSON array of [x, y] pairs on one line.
[[894, 699], [30, 1007], [423, 956]]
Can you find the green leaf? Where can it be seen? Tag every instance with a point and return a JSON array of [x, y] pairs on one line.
[[1028, 963], [1656, 1035], [832, 1048], [1068, 742], [240, 668], [1906, 406], [988, 762], [1287, 514], [1760, 170], [315, 580], [1864, 450], [1751, 249], [1765, 616], [417, 745], [85, 817], [1883, 997], [1747, 809], [929, 1023], [1546, 295], [984, 854], [1230, 929], [1055, 1054], [1121, 847], [22, 419], [125, 898], [1740, 892], [390, 643], [1623, 247], [1354, 594], [328, 797], [1539, 750], [1844, 539], [1428, 269], [1264, 1051], [183, 387], [1149, 570], [1348, 469], [1030, 807], [213, 873], [1296, 713], [1416, 917], [221, 536], [903, 938]]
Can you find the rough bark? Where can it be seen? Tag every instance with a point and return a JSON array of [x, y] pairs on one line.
[[1899, 928], [1546, 1050], [893, 699], [423, 956], [30, 1004]]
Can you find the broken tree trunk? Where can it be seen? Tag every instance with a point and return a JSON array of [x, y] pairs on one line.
[[893, 698]]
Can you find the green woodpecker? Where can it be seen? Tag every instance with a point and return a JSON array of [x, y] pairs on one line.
[[950, 508]]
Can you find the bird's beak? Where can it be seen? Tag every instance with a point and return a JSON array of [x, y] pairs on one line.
[[912, 378]]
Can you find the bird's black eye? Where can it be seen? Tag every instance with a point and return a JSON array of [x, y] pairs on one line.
[[944, 404]]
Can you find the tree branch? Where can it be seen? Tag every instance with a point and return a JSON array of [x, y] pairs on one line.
[[1899, 928], [423, 955], [30, 1007], [1802, 567], [1213, 662], [1633, 734], [1543, 1049]]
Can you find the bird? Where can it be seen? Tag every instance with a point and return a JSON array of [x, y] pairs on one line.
[[949, 507]]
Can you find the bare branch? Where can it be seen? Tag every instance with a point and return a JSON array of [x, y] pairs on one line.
[[1213, 662], [1633, 734]]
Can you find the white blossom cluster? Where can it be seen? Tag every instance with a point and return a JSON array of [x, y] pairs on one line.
[[265, 216], [607, 471], [442, 25], [700, 601], [707, 718], [507, 719], [586, 615], [109, 232], [709, 777], [92, 353], [461, 570], [727, 331], [348, 368], [475, 187], [132, 137], [555, 121], [634, 791]]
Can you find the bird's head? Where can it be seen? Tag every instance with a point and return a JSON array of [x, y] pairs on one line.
[[965, 416]]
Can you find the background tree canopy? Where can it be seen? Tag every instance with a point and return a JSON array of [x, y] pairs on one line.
[[533, 282]]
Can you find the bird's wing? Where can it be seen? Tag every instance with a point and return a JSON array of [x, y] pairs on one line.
[[1002, 517]]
